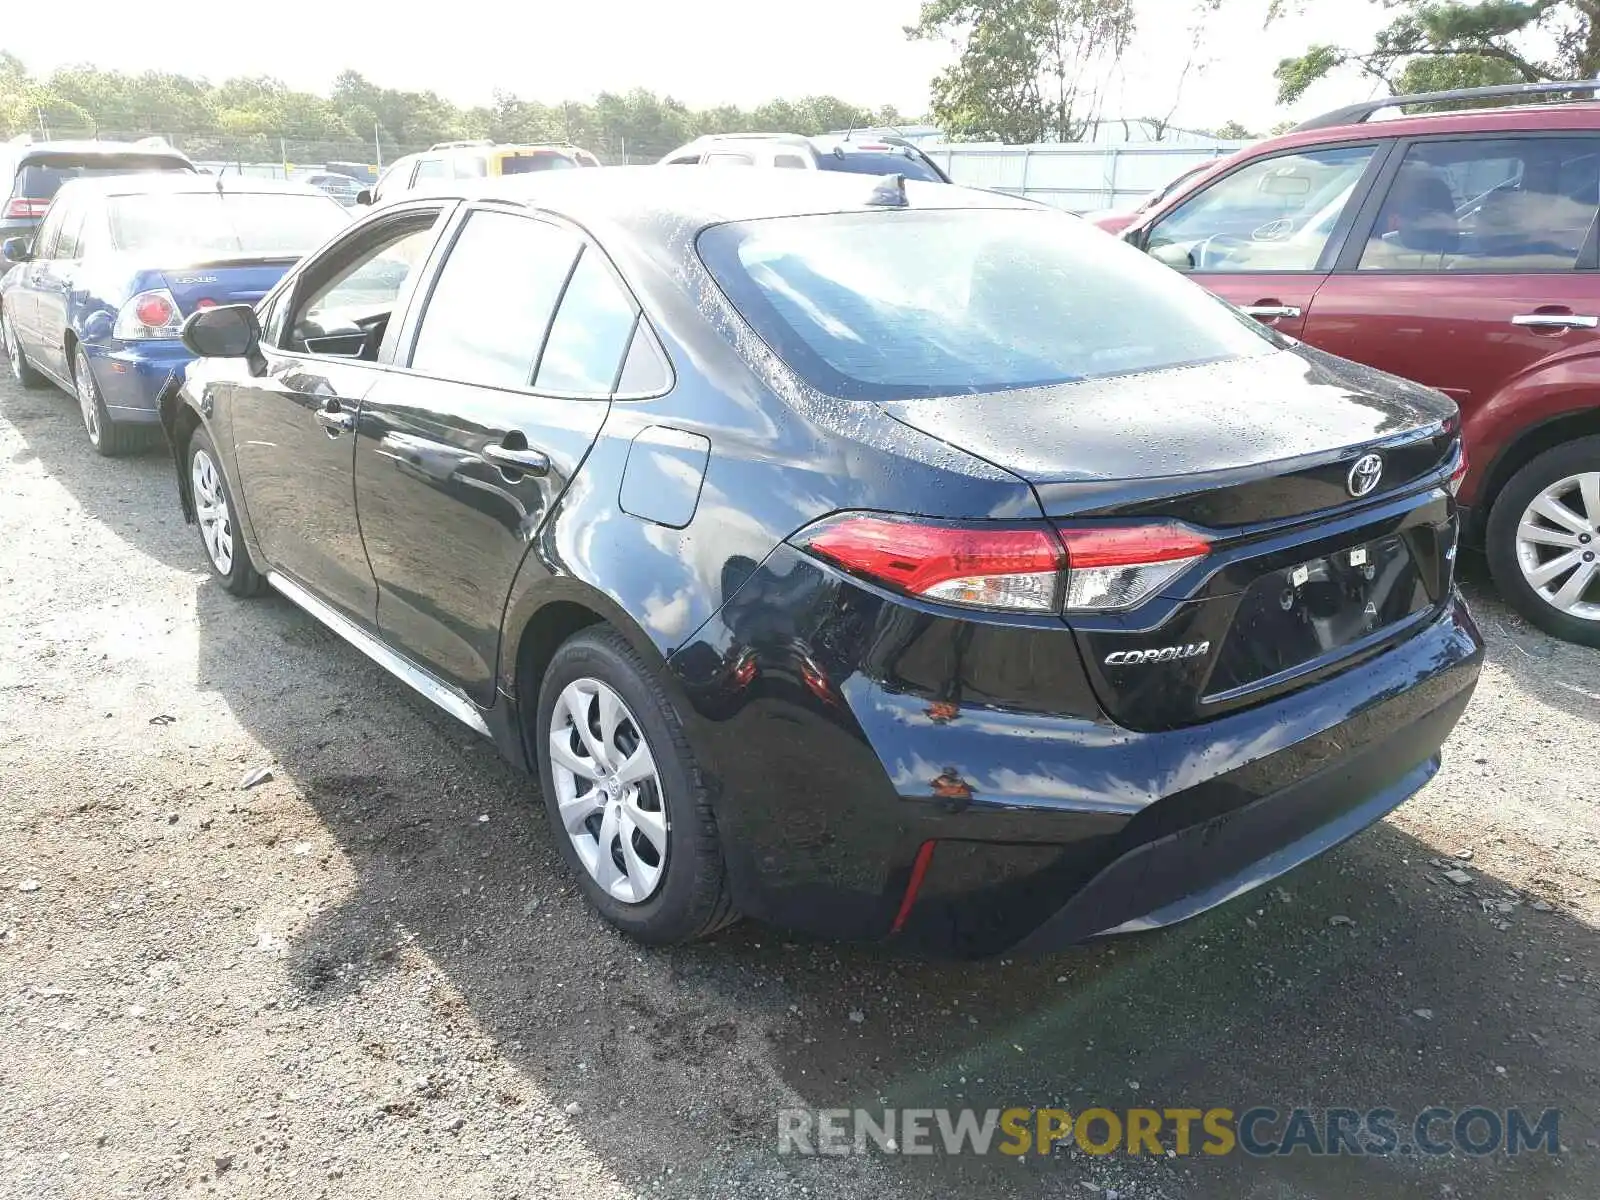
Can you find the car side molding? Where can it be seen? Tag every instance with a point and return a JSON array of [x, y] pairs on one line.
[[403, 669]]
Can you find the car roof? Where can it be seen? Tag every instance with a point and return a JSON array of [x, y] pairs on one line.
[[91, 149], [146, 183], [642, 196], [1571, 116]]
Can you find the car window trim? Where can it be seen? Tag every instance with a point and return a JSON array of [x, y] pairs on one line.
[[1338, 236], [291, 285], [434, 266], [1349, 260]]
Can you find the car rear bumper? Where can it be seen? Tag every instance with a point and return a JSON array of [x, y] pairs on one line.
[[854, 804], [131, 376]]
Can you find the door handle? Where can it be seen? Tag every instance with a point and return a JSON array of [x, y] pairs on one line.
[[1270, 310], [1554, 320], [335, 421], [522, 459]]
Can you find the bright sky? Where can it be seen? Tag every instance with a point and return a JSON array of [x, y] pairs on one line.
[[701, 51]]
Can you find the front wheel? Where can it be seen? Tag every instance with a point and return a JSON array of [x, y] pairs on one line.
[[226, 553], [624, 793], [1543, 541]]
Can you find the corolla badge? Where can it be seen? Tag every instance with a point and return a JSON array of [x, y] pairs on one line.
[[1364, 475], [1129, 658]]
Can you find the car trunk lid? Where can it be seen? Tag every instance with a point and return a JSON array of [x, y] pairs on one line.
[[1313, 564], [228, 280]]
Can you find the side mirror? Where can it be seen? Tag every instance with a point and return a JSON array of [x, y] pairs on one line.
[[17, 249], [364, 196], [1174, 256], [227, 331]]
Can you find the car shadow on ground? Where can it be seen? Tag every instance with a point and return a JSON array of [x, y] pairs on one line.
[[1415, 996]]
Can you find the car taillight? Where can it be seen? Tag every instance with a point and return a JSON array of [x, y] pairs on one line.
[[152, 314], [979, 565], [1116, 567], [26, 206], [1459, 475], [995, 565]]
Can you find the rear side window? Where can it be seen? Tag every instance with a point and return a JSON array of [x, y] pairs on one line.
[[788, 160], [487, 316], [877, 162], [523, 164], [40, 178], [860, 309], [590, 334], [1513, 204], [471, 166]]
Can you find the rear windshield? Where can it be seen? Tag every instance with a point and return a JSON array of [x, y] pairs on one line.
[[877, 162], [41, 178], [205, 224], [903, 304], [521, 164]]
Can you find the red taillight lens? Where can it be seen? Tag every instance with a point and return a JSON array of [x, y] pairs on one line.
[[1034, 568], [1459, 475], [982, 566], [153, 310], [1116, 567], [26, 206]]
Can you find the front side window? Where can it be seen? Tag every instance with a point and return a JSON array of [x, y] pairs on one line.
[[589, 335], [491, 306], [857, 305], [200, 225], [1275, 214], [1513, 204], [431, 168], [347, 313], [727, 158], [44, 241]]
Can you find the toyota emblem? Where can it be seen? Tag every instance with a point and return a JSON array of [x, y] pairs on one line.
[[1364, 475]]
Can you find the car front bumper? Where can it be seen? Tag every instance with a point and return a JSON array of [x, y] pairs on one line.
[[132, 374], [858, 797]]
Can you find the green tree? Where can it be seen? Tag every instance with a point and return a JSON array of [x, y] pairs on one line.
[[1026, 70], [1432, 45]]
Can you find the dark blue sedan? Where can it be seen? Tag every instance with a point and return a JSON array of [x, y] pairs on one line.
[[102, 289]]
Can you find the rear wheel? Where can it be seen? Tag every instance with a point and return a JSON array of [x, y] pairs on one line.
[[1543, 541], [624, 793], [226, 553], [21, 371], [109, 438]]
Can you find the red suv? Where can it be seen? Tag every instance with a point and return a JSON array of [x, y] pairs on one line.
[[1458, 249]]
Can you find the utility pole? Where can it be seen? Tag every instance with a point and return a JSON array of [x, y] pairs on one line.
[[377, 147], [283, 157]]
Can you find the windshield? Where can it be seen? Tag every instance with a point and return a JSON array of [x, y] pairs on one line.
[[41, 179], [906, 304], [877, 162], [206, 224]]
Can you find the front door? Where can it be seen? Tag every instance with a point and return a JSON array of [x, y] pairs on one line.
[[1263, 236], [1477, 265], [294, 425], [462, 455], [52, 290]]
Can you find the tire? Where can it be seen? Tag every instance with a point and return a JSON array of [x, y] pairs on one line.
[[224, 548], [1520, 539], [21, 370], [110, 439], [685, 892]]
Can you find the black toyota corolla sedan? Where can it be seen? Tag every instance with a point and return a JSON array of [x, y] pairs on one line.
[[883, 560]]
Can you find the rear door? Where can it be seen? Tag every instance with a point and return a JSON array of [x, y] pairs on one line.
[[54, 282], [462, 454], [1265, 235], [1473, 263], [294, 424]]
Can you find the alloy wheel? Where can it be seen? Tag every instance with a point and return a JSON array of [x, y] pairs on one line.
[[211, 511], [13, 350], [608, 791], [88, 403], [1558, 545]]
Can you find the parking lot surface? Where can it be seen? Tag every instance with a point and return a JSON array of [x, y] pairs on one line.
[[370, 976]]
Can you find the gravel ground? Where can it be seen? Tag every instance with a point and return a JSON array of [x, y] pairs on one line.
[[369, 976]]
